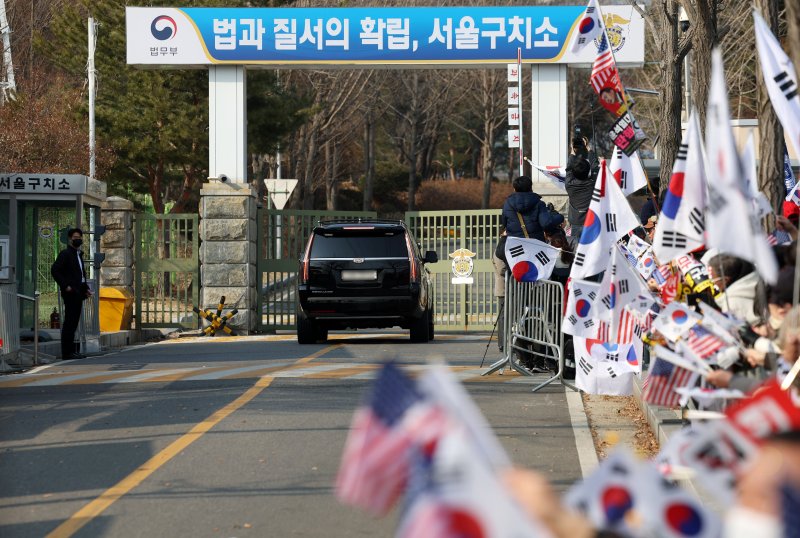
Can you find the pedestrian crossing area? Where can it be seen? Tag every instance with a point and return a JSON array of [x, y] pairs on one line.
[[277, 369]]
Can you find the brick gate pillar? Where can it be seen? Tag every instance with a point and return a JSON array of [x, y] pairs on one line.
[[228, 251], [117, 243]]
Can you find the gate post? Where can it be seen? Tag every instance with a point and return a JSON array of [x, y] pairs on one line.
[[228, 250], [116, 215]]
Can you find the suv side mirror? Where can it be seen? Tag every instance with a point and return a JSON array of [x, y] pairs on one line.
[[431, 257]]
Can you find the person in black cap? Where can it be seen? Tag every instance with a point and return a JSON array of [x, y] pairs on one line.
[[579, 183], [70, 274]]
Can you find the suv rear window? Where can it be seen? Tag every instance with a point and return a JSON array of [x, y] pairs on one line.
[[351, 244]]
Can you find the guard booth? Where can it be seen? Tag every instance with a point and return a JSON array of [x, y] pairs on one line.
[[36, 210]]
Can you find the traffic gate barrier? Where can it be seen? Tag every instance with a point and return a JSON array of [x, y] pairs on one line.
[[532, 314]]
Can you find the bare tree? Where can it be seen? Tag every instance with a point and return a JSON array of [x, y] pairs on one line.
[[770, 132], [418, 101], [489, 91], [793, 32], [662, 20]]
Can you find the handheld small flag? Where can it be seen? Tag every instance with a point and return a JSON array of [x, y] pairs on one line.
[[579, 316], [530, 260], [675, 321]]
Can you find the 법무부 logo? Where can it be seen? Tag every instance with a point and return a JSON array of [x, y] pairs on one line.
[[163, 27]]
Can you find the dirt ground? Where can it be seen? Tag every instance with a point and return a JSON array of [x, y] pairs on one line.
[[619, 420]]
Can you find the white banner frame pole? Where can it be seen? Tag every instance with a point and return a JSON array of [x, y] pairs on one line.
[[519, 106]]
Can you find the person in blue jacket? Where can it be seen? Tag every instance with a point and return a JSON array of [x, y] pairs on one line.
[[537, 216], [534, 212]]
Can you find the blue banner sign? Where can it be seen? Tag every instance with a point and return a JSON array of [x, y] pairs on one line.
[[419, 36]]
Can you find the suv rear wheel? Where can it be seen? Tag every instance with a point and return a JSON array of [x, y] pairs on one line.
[[420, 328], [308, 332]]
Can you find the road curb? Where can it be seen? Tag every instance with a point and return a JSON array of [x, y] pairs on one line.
[[665, 423]]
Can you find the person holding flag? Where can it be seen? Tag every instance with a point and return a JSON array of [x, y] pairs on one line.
[[524, 215]]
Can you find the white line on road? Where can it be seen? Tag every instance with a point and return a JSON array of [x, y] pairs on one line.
[[587, 455]]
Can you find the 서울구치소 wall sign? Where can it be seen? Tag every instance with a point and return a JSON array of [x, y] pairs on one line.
[[51, 184], [456, 36]]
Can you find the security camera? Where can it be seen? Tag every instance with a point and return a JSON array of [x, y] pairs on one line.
[[223, 178]]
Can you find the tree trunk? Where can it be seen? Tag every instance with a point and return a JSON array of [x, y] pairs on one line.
[[770, 132], [412, 143], [665, 19], [307, 201], [487, 158], [793, 32], [704, 37], [369, 158]]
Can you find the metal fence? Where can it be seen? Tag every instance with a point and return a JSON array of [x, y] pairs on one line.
[[533, 313], [458, 306], [282, 236], [167, 270]]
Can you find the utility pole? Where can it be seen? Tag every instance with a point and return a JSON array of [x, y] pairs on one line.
[[92, 88], [7, 83]]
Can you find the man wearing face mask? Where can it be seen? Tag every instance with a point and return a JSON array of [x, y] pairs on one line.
[[69, 273]]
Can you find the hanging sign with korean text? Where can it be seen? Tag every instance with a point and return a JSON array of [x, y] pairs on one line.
[[457, 36]]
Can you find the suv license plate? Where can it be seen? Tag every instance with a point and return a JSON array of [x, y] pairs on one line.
[[349, 275]]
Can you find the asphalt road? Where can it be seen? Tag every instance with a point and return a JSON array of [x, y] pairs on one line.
[[230, 437]]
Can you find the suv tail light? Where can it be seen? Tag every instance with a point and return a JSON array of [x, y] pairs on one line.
[[306, 260], [412, 262]]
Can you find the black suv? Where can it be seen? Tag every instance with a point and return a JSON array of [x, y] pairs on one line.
[[364, 274]]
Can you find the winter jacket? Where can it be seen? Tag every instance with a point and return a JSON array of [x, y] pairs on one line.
[[739, 299], [580, 191], [534, 213]]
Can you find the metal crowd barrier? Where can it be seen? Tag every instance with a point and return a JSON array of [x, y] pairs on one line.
[[10, 328], [532, 316], [9, 324]]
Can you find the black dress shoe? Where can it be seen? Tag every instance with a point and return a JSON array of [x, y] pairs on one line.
[[73, 356]]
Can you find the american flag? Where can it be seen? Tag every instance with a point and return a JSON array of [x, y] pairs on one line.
[[628, 327], [703, 343], [604, 68], [779, 237], [375, 463], [661, 274], [664, 378], [790, 510]]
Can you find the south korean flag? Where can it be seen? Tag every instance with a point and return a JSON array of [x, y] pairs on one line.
[[590, 25], [530, 260], [579, 316], [608, 219], [628, 171], [620, 287], [780, 79]]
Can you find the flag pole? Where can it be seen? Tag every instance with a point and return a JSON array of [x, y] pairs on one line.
[[519, 106], [625, 102]]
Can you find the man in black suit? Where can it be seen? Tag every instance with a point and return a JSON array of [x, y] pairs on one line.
[[69, 273]]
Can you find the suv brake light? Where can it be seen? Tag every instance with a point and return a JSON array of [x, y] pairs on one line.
[[412, 262], [306, 260]]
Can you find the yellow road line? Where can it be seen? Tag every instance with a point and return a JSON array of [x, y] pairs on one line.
[[343, 372], [96, 507], [318, 354], [83, 516]]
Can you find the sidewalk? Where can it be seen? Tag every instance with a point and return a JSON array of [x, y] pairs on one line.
[[49, 351]]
